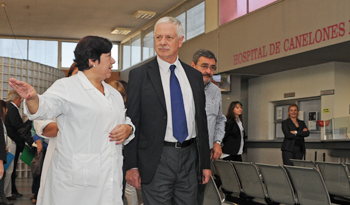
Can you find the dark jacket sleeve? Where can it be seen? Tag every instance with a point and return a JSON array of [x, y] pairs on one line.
[[286, 130], [133, 105], [301, 133], [3, 154], [13, 123], [205, 152]]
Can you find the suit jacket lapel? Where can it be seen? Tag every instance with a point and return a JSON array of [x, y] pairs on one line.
[[154, 75]]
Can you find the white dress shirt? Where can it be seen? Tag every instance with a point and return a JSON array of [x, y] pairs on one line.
[[186, 94], [86, 168]]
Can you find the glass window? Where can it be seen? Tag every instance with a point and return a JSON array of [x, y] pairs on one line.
[[148, 46], [115, 55], [232, 9], [182, 19], [136, 49], [44, 52], [126, 55], [67, 54], [256, 4], [195, 21], [13, 48]]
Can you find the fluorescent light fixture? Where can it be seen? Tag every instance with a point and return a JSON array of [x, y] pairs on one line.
[[122, 31], [144, 14]]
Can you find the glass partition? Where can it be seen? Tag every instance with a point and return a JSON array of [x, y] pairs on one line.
[[336, 128]]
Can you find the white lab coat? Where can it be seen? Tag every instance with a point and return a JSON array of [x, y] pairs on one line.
[[86, 168]]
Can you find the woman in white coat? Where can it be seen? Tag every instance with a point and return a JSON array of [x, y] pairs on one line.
[[86, 165]]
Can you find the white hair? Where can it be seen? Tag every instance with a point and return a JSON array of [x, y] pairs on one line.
[[176, 22], [12, 95]]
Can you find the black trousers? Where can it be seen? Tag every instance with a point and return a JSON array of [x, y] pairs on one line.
[[19, 149], [297, 153]]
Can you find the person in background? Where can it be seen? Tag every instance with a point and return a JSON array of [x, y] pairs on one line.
[[47, 131], [86, 165], [14, 123], [130, 192], [294, 130], [205, 62], [72, 70], [170, 153], [41, 146], [4, 179], [234, 140]]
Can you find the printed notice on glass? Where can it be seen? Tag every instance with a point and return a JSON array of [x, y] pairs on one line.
[[279, 111]]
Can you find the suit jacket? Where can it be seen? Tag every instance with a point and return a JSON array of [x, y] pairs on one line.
[[13, 123], [147, 109], [3, 154], [289, 138], [233, 138]]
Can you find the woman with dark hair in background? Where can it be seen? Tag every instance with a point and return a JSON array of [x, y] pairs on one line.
[[73, 70], [86, 165], [3, 155], [294, 130], [233, 142]]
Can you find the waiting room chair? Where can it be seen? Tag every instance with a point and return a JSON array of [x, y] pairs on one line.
[[212, 196], [336, 178], [228, 176], [278, 184], [309, 185], [303, 163], [252, 185]]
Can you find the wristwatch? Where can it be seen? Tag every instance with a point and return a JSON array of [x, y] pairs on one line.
[[218, 142], [132, 129]]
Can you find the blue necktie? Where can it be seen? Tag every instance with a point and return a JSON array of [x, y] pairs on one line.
[[180, 131]]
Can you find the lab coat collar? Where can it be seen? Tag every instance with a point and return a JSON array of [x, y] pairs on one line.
[[88, 85]]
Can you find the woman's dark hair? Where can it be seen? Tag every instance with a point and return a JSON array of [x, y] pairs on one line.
[[230, 114], [3, 104], [90, 47], [71, 69]]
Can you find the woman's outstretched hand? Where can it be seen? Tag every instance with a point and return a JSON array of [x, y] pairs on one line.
[[24, 90]]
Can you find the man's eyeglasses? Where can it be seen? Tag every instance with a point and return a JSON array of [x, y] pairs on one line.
[[213, 67]]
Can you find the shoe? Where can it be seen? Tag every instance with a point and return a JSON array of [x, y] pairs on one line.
[[31, 196], [4, 201], [17, 194], [34, 201], [13, 197]]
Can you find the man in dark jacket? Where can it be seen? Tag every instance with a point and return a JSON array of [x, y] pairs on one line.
[[13, 123]]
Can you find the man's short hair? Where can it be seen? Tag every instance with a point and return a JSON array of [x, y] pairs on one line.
[[11, 95], [176, 22], [204, 53]]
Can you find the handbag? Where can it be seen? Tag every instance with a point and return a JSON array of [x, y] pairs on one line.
[[37, 164]]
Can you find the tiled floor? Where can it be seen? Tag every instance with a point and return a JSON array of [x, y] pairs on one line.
[[24, 187]]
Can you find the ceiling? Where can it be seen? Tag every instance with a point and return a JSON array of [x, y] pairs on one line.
[[74, 19]]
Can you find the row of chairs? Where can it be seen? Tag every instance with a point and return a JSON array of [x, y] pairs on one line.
[[335, 175], [290, 185]]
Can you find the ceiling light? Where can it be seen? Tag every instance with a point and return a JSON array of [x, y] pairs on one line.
[[144, 14], [122, 31]]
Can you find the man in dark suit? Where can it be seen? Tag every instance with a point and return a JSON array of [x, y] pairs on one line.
[[166, 102], [13, 123]]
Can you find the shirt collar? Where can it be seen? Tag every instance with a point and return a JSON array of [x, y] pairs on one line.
[[163, 65], [87, 85], [207, 85], [15, 105]]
